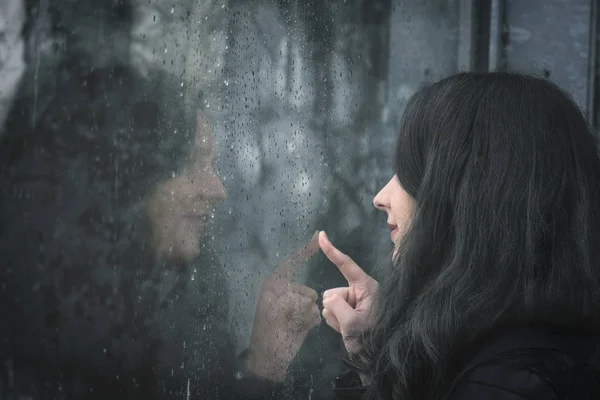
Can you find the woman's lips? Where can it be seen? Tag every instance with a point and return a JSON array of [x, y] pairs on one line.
[[394, 232], [198, 218]]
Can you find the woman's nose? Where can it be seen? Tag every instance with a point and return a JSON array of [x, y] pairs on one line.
[[381, 201], [378, 200], [207, 185], [214, 188]]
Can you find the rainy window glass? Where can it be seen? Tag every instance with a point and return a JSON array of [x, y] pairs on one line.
[[164, 166]]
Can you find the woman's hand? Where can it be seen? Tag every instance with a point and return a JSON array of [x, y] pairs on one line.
[[285, 313], [345, 309]]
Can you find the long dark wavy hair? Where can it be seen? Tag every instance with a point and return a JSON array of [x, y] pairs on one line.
[[505, 175], [81, 283]]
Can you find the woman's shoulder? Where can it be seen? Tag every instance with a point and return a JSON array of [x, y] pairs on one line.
[[532, 364]]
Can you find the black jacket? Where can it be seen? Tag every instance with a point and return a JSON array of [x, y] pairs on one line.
[[531, 364], [188, 352]]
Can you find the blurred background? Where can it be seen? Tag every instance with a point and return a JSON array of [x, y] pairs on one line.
[[304, 97]]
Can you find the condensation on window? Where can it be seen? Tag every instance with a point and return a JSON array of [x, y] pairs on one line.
[[160, 162]]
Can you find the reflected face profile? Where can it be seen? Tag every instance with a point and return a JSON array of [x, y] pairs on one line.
[[181, 207], [398, 205]]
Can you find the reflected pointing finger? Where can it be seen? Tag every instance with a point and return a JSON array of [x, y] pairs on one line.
[[288, 268]]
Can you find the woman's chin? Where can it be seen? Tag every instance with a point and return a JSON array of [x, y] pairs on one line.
[[189, 250], [184, 252]]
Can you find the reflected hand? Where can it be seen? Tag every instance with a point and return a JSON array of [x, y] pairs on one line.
[[285, 313], [345, 308]]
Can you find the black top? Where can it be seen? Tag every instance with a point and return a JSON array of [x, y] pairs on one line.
[[518, 364], [193, 355]]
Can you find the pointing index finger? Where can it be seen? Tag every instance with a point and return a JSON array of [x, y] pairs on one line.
[[288, 268], [351, 271]]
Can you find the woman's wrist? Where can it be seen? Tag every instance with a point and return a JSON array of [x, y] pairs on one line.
[[257, 365]]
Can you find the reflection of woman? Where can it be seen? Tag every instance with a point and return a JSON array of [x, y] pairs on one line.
[[108, 292], [494, 290]]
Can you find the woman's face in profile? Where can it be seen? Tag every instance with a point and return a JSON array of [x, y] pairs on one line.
[[398, 205], [181, 207]]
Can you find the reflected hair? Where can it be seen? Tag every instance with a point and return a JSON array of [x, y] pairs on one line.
[[505, 175], [74, 219]]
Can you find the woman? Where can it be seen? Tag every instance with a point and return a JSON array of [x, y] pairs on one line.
[[107, 290], [494, 287]]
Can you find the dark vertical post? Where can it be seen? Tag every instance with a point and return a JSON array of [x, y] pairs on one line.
[[376, 21], [497, 30], [467, 35], [592, 93], [475, 35]]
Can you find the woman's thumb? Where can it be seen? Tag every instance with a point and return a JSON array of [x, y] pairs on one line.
[[340, 309]]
